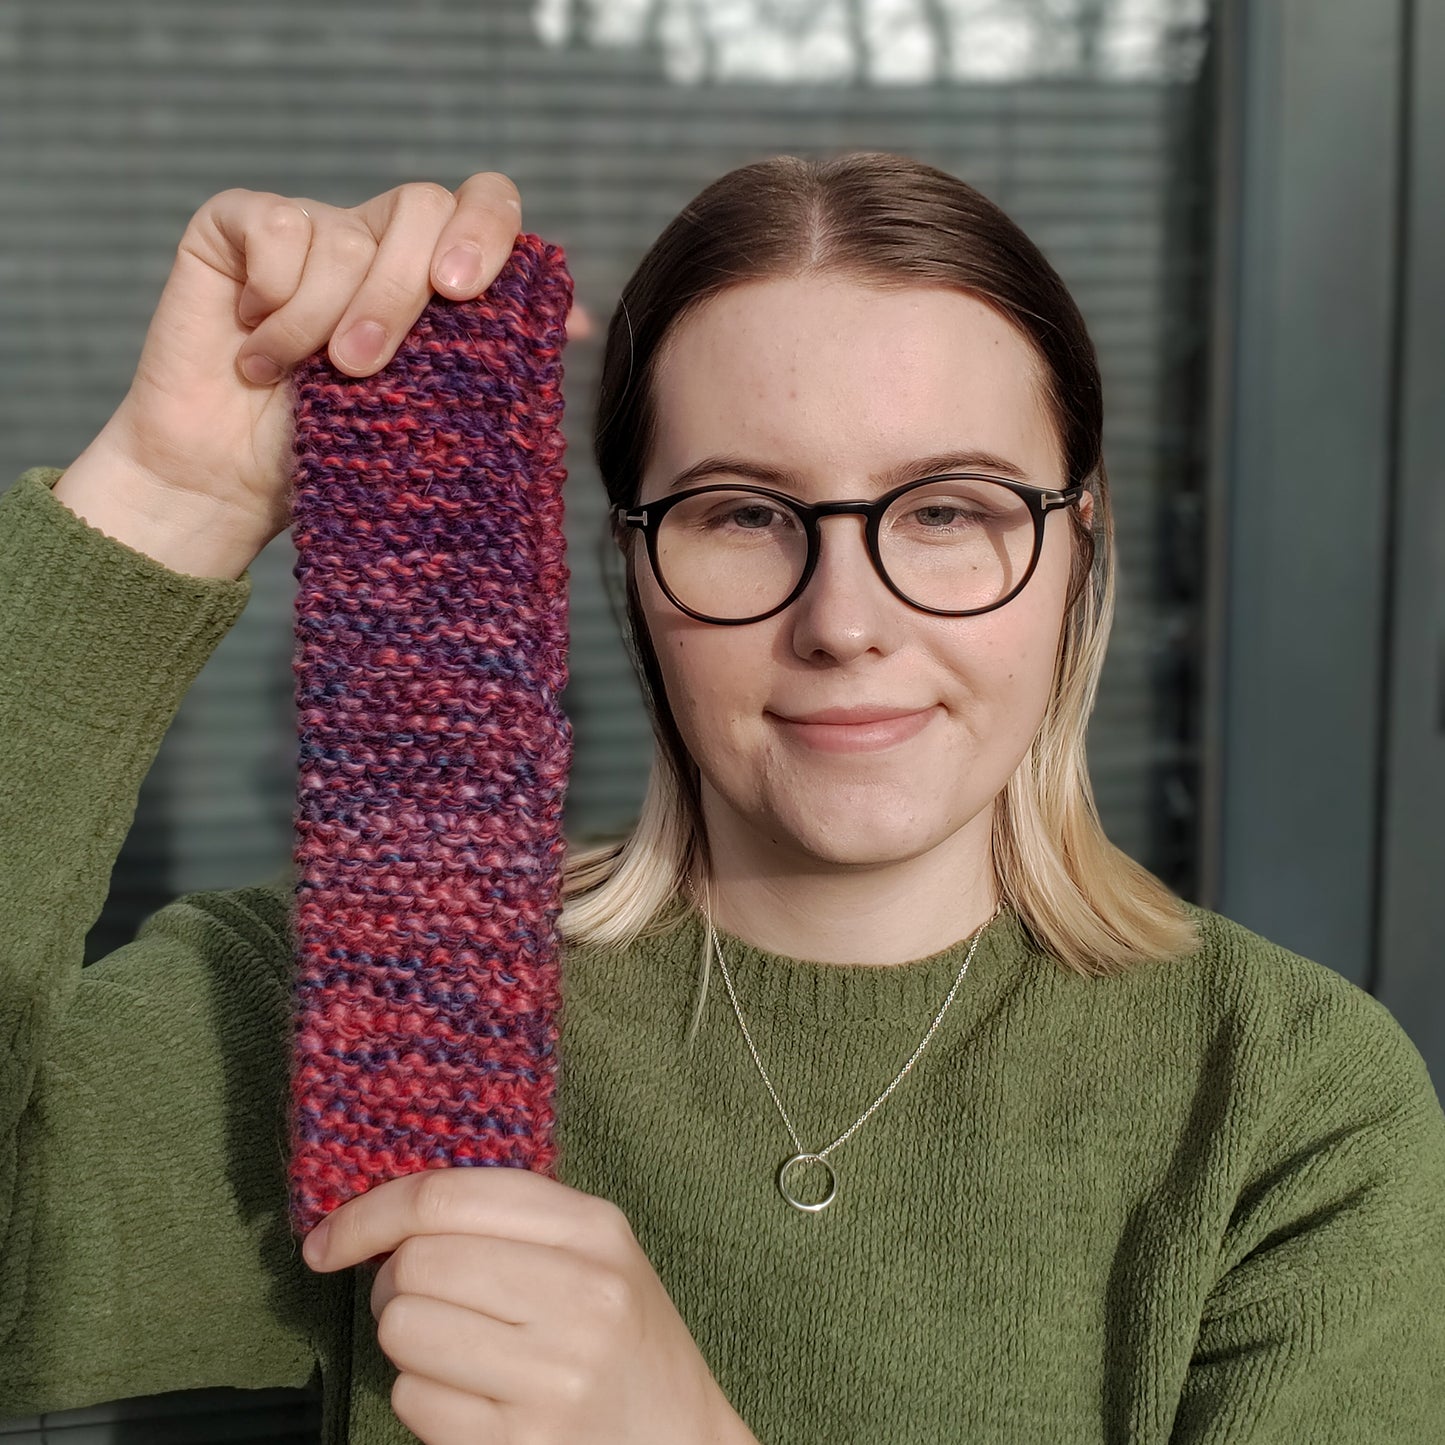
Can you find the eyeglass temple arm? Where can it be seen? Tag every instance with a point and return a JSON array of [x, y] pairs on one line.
[[624, 516], [1067, 497]]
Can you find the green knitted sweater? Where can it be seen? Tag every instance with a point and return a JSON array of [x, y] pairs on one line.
[[1204, 1201]]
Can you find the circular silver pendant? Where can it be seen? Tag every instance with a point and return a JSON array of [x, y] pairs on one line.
[[807, 1159]]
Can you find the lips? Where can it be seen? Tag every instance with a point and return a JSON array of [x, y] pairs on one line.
[[851, 716], [856, 729]]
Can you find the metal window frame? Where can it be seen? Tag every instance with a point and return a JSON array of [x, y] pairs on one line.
[[1412, 871], [1324, 746]]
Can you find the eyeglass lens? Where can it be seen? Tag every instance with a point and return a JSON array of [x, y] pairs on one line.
[[955, 545]]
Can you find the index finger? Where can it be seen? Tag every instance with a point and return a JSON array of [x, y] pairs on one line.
[[500, 1200], [478, 240]]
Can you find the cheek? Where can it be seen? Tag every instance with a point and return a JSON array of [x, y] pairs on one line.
[[1008, 671], [711, 677], [707, 671], [1012, 660]]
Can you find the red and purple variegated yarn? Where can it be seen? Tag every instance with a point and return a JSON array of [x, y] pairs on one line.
[[430, 655]]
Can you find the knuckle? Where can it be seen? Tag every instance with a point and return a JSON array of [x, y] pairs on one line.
[[350, 245], [284, 218], [407, 1269], [609, 1295], [394, 1324], [612, 1223], [433, 1194], [404, 1396], [430, 195], [572, 1384]]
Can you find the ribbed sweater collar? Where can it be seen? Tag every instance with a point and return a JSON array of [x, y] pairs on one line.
[[772, 984]]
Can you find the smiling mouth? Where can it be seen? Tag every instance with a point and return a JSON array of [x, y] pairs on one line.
[[852, 715], [852, 737]]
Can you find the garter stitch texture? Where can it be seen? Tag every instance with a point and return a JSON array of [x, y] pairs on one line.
[[430, 654]]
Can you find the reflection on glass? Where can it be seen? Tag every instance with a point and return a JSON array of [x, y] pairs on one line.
[[890, 42]]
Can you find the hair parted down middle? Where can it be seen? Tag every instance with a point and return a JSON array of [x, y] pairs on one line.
[[889, 221]]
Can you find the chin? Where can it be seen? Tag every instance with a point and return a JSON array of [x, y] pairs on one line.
[[861, 842]]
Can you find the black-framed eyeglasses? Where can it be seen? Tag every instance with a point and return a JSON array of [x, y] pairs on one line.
[[954, 545]]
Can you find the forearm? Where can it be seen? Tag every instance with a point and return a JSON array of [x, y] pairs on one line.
[[98, 650]]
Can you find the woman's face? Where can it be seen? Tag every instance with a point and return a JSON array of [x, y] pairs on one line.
[[838, 383]]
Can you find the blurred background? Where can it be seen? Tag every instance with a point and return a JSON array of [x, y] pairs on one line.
[[1246, 200]]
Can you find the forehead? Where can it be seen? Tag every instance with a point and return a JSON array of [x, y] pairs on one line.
[[831, 377]]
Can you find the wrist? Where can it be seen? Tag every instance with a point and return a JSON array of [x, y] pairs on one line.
[[186, 533]]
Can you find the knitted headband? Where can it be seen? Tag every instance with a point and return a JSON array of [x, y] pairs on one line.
[[433, 756]]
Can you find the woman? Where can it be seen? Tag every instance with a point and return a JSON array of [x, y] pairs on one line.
[[986, 1136]]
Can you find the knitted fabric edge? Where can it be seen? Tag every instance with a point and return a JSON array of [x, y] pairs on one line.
[[430, 653]]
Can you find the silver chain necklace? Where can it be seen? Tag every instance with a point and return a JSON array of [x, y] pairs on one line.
[[804, 1156]]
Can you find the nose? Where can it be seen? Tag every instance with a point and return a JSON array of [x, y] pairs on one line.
[[846, 608]]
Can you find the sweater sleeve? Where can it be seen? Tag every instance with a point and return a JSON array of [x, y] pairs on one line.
[[1327, 1320], [144, 1243]]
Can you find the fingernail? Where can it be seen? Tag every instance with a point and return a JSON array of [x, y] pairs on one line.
[[361, 345], [461, 268], [314, 1247], [260, 369]]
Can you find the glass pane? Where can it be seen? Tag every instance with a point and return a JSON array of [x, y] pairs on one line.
[[1086, 122], [731, 554], [957, 545]]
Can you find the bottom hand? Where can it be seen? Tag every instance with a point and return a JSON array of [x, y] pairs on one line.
[[520, 1311]]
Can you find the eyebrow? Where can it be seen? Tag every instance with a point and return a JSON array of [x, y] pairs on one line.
[[968, 460]]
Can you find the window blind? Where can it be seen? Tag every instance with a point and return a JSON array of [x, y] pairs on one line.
[[1088, 122]]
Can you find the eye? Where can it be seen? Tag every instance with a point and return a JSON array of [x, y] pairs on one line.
[[938, 515], [956, 508], [752, 516]]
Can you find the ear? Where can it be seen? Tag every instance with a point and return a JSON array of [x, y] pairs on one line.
[[579, 324], [1086, 509]]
